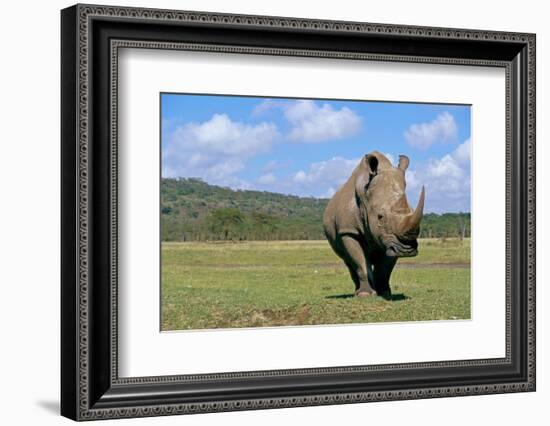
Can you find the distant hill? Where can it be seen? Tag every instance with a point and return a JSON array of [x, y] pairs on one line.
[[193, 210]]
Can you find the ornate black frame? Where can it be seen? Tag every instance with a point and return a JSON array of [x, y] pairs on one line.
[[91, 37]]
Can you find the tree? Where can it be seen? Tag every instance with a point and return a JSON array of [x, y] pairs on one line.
[[225, 221], [193, 210], [461, 220], [263, 225]]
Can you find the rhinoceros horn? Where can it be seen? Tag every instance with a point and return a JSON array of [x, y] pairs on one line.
[[412, 221]]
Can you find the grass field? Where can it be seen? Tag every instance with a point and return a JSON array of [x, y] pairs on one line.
[[281, 283]]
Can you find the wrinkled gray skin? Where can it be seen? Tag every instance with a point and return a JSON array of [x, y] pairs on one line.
[[369, 223]]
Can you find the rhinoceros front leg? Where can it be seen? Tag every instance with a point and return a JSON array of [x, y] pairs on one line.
[[361, 273], [382, 271]]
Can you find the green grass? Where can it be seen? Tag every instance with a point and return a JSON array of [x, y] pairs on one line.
[[256, 284]]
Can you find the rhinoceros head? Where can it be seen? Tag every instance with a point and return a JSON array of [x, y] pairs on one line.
[[390, 221]]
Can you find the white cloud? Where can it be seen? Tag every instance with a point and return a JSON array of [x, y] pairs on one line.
[[215, 150], [445, 167], [463, 154], [330, 192], [447, 180], [391, 158], [266, 105], [411, 177], [300, 177], [323, 178], [314, 124], [441, 130], [267, 179], [222, 136]]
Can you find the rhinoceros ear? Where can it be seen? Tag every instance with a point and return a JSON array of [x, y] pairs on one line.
[[369, 168], [370, 162], [403, 162]]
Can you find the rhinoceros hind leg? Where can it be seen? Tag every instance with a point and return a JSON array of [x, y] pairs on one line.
[[354, 258], [353, 275]]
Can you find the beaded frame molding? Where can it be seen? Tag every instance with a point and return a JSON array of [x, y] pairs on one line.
[[91, 38]]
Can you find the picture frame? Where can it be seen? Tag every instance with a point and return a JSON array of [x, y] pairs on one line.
[[90, 384]]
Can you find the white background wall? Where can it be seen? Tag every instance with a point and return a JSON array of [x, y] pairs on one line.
[[29, 211]]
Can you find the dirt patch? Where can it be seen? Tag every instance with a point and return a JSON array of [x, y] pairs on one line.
[[279, 317]]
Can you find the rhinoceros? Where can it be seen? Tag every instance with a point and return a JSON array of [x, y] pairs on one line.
[[369, 223]]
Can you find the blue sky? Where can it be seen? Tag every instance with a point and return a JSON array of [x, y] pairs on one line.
[[310, 147]]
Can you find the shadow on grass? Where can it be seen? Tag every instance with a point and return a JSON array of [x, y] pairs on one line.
[[341, 296], [396, 297]]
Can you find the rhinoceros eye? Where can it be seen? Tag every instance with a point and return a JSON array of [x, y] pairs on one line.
[[380, 216]]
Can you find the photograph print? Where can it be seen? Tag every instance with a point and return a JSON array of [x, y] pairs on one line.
[[301, 212]]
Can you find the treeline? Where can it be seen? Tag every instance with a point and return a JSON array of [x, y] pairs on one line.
[[192, 210], [446, 225]]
